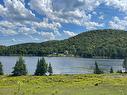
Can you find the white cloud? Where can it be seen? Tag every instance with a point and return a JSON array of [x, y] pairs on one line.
[[93, 25], [69, 33], [46, 25], [66, 11], [94, 13], [6, 24], [57, 11], [36, 39], [2, 9], [41, 6], [69, 5], [101, 17], [118, 23], [13, 40], [15, 10], [119, 4], [57, 33], [28, 27], [47, 36], [15, 28], [5, 31], [25, 30]]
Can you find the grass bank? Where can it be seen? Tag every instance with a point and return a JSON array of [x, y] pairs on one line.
[[107, 84]]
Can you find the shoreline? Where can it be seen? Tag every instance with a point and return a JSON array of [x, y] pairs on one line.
[[59, 56]]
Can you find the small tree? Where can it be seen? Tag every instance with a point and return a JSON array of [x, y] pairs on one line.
[[1, 69], [38, 68], [111, 70], [20, 67], [125, 65], [50, 71], [97, 70], [119, 71], [41, 67]]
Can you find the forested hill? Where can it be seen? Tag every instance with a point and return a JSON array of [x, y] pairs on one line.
[[103, 43]]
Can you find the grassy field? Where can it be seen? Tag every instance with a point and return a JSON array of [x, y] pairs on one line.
[[107, 84]]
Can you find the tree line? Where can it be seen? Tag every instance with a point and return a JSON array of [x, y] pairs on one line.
[[97, 43], [20, 68]]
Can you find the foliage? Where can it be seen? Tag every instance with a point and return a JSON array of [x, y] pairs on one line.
[[97, 43], [42, 67], [97, 70], [111, 70], [1, 69], [50, 69], [20, 67]]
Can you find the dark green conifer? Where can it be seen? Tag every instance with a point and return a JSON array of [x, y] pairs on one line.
[[1, 69], [20, 67], [50, 71], [111, 70], [97, 70], [41, 67]]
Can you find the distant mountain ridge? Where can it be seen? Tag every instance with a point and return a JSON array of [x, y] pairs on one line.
[[103, 43]]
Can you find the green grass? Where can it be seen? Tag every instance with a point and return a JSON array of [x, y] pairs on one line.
[[107, 84]]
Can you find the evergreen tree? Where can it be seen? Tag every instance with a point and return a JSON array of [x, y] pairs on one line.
[[111, 70], [1, 69], [125, 65], [97, 70], [38, 68], [50, 69], [41, 67], [119, 71], [20, 67]]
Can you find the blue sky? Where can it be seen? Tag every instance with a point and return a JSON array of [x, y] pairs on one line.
[[23, 21]]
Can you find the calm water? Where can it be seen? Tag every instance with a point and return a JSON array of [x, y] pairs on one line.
[[63, 65]]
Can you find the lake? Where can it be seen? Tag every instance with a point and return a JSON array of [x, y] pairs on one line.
[[63, 65]]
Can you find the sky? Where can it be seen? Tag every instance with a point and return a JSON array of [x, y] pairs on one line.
[[24, 21]]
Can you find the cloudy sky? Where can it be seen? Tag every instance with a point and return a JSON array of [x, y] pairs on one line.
[[23, 21]]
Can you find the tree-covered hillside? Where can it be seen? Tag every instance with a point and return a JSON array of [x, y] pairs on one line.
[[106, 43], [97, 43]]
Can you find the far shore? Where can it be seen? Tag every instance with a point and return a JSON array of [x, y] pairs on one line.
[[94, 57]]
